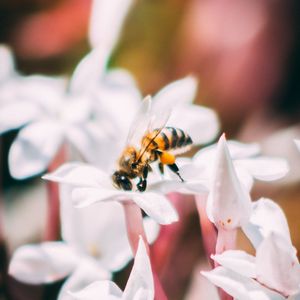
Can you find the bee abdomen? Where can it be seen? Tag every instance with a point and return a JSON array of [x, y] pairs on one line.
[[172, 138]]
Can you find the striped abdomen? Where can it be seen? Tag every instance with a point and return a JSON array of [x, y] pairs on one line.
[[170, 138]]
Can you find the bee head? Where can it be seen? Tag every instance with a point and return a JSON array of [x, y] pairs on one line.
[[121, 181], [134, 165]]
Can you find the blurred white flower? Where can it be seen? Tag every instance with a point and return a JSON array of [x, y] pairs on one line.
[[106, 21], [91, 185], [94, 245], [54, 113], [48, 117], [274, 273], [7, 71], [140, 285]]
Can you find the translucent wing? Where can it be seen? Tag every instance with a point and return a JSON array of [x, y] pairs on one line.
[[140, 123], [145, 121]]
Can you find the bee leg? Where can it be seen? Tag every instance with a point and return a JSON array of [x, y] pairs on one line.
[[142, 184], [161, 168], [175, 169], [145, 172]]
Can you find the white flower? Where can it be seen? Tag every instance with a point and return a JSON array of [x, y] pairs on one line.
[[54, 114], [140, 285], [274, 273], [95, 244], [91, 185], [48, 118], [229, 182], [228, 203], [248, 163]]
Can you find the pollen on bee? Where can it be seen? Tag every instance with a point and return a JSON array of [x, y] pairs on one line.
[[167, 158]]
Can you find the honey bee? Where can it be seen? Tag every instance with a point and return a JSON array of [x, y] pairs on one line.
[[149, 140]]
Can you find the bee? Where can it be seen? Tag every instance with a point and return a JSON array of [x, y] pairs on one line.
[[149, 140]]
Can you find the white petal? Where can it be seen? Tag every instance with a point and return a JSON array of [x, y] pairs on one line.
[[182, 91], [266, 217], [228, 204], [17, 114], [119, 99], [76, 110], [143, 294], [240, 150], [297, 142], [240, 287], [98, 147], [6, 62], [277, 265], [107, 290], [106, 22], [265, 168], [89, 71], [152, 229], [187, 187], [34, 148], [236, 149], [83, 197], [199, 122], [103, 238], [86, 273], [43, 263], [237, 261], [141, 276], [78, 174], [45, 92], [156, 206], [244, 176]]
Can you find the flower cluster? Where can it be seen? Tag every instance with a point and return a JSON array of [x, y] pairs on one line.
[[95, 114]]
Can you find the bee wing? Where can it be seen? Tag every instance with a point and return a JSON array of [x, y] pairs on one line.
[[159, 117], [147, 119], [140, 123]]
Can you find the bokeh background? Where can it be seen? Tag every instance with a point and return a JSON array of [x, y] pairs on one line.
[[246, 55]]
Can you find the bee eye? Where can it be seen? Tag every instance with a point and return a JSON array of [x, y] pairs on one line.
[[125, 183], [121, 181], [134, 165]]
